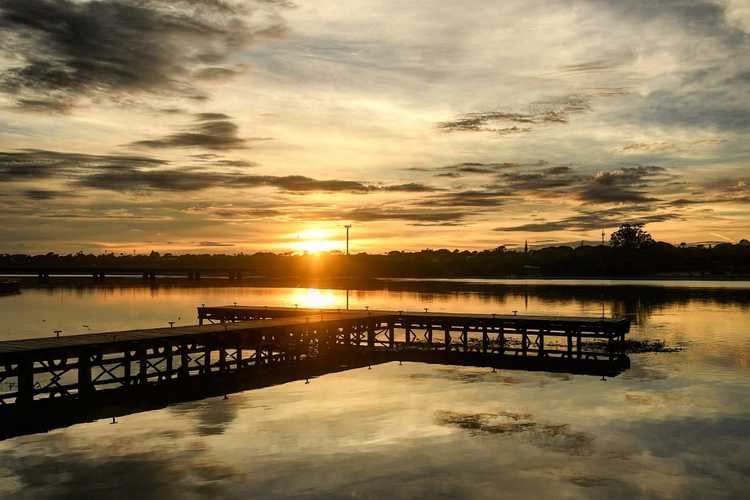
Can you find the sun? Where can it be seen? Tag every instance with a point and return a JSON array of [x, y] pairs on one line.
[[315, 241]]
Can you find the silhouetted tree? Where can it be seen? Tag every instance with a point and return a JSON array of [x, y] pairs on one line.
[[631, 236]]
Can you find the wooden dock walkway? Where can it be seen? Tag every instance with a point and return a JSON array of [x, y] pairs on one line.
[[234, 339]]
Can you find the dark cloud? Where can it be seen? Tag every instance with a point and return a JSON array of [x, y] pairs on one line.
[[596, 66], [411, 187], [133, 179], [235, 163], [193, 179], [664, 146], [213, 131], [621, 186], [625, 185], [475, 168], [129, 173], [67, 49], [602, 219], [289, 211], [236, 213], [366, 214], [207, 117], [698, 17], [469, 198], [560, 179], [557, 110], [33, 164], [45, 194], [301, 183], [213, 244], [218, 73]]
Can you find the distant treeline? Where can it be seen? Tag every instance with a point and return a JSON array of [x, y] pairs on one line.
[[652, 259]]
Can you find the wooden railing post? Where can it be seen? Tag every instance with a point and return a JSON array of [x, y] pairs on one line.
[[85, 386], [25, 381]]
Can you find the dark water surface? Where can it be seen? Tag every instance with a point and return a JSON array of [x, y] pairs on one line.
[[675, 425]]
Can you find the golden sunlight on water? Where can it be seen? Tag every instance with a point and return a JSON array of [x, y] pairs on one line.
[[528, 434]]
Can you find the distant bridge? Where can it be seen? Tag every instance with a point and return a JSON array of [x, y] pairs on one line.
[[100, 273]]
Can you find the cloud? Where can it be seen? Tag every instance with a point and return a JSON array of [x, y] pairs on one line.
[[602, 219], [469, 198], [45, 194], [33, 164], [213, 244], [366, 214], [665, 146], [555, 110], [130, 173], [621, 186], [193, 179], [213, 131], [67, 50], [301, 183], [217, 73], [291, 212], [133, 179], [595, 66], [411, 187], [475, 168], [560, 179]]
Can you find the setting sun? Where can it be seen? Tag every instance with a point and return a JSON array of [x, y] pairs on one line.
[[315, 241]]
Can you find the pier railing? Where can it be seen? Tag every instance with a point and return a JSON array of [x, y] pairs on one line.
[[234, 341]]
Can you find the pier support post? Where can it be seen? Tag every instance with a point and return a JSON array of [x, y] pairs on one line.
[[569, 336], [485, 339], [169, 354], [25, 382], [540, 341], [126, 367], [142, 366], [370, 333], [184, 360], [222, 359], [85, 385]]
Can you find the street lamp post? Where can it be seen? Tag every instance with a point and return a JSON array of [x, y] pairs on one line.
[[347, 226]]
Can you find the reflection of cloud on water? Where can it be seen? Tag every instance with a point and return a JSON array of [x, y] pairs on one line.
[[466, 376], [212, 416], [558, 437], [58, 467]]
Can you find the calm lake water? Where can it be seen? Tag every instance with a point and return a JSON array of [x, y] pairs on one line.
[[675, 425]]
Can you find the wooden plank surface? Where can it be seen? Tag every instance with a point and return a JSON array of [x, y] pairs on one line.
[[291, 311], [93, 339]]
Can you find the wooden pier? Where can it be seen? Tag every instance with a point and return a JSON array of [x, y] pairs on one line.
[[232, 340]]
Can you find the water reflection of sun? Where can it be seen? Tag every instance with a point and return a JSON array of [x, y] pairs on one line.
[[314, 298], [315, 241]]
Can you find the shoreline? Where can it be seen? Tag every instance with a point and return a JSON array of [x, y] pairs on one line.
[[87, 282]]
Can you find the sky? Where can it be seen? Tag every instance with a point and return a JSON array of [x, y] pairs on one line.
[[219, 126]]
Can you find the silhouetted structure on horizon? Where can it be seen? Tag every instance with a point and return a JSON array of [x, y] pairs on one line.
[[657, 258]]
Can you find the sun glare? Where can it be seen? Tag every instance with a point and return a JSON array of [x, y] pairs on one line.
[[315, 241], [314, 298]]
